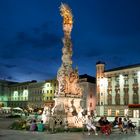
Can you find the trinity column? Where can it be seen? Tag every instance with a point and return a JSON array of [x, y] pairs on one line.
[[68, 96]]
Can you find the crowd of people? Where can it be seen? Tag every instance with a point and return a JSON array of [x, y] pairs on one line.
[[106, 127]]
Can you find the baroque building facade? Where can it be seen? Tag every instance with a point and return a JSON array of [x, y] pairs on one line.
[[35, 94], [5, 92], [118, 90], [42, 93], [19, 94]]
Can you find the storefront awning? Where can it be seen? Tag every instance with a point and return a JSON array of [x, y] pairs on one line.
[[134, 105]]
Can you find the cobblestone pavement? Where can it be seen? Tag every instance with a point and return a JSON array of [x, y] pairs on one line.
[[26, 135], [6, 134]]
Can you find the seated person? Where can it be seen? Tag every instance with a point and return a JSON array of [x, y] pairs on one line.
[[105, 125], [131, 125], [40, 126], [125, 125], [33, 126], [101, 121], [120, 124], [90, 126], [105, 121], [116, 123]]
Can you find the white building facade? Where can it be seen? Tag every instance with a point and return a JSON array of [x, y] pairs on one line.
[[118, 90]]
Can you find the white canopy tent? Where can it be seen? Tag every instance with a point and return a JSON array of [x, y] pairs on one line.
[[18, 108]]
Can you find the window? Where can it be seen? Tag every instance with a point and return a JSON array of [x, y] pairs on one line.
[[125, 112], [117, 81], [109, 112], [126, 98], [126, 79], [109, 82], [135, 81], [135, 78], [90, 104], [90, 95], [92, 113], [135, 98], [117, 112], [117, 99], [109, 99], [50, 91], [136, 113]]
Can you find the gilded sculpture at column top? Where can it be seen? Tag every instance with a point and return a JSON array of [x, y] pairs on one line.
[[66, 13]]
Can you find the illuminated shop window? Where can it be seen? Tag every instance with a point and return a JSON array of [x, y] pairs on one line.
[[125, 112], [117, 113], [136, 113], [109, 112]]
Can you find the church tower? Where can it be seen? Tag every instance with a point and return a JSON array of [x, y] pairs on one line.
[[100, 67]]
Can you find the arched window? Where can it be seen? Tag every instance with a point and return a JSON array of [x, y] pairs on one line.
[[117, 99], [135, 98], [126, 98]]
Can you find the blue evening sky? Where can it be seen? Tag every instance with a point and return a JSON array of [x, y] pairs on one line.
[[31, 34]]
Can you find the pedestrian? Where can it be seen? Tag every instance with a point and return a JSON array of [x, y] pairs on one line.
[[33, 126], [40, 126]]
